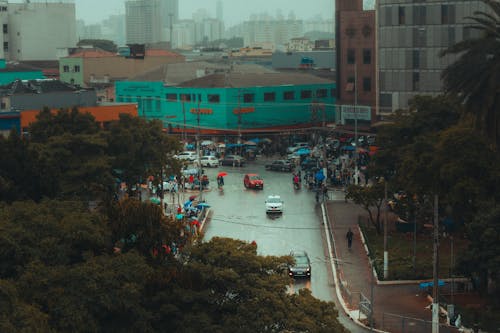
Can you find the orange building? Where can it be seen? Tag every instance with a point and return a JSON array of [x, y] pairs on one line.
[[102, 114]]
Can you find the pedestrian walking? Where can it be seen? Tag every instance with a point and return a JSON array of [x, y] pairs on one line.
[[349, 237]]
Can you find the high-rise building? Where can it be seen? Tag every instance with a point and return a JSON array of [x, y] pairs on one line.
[[169, 12], [411, 36], [30, 31], [219, 11], [143, 22]]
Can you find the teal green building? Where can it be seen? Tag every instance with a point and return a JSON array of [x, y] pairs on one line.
[[235, 101], [9, 74]]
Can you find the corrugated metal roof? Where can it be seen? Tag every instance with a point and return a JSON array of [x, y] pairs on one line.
[[92, 53], [162, 53]]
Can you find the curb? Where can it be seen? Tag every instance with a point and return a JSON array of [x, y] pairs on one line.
[[335, 277]]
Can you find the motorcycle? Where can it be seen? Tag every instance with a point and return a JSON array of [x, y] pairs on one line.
[[296, 185]]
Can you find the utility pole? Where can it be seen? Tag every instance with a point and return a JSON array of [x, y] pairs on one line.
[[386, 252], [198, 148], [170, 15], [184, 134], [356, 122], [435, 287]]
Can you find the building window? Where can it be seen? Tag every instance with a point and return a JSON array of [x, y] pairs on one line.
[[419, 15], [3, 8], [288, 95], [269, 97], [6, 46], [401, 15], [305, 94], [65, 68], [186, 97], [350, 86], [447, 14], [416, 59], [158, 103], [367, 84], [213, 98], [416, 81], [5, 29], [77, 69], [367, 56], [248, 98], [321, 93], [171, 97], [351, 56], [3, 106]]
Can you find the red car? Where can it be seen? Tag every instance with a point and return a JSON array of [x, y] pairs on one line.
[[253, 180]]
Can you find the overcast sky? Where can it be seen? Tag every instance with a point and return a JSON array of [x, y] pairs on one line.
[[94, 11]]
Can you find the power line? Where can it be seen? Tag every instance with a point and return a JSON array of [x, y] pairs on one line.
[[267, 226]]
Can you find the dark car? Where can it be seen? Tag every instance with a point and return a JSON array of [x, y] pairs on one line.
[[280, 165], [233, 160], [302, 265]]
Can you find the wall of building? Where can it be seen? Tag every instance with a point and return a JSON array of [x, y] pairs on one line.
[[102, 114], [411, 37], [9, 121], [37, 30], [71, 71], [322, 59], [52, 100], [9, 77], [357, 34], [155, 101]]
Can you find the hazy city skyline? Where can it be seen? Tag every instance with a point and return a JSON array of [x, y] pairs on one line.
[[95, 11]]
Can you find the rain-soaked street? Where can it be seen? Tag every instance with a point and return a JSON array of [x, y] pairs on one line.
[[240, 213]]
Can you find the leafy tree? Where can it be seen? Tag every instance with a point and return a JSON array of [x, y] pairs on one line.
[[102, 294], [49, 124], [482, 259], [18, 316], [140, 148], [475, 76], [226, 287], [370, 197], [103, 44], [53, 232], [141, 226]]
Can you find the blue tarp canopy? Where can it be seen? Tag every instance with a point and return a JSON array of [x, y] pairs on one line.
[[348, 148], [425, 285], [232, 145], [303, 151], [256, 140]]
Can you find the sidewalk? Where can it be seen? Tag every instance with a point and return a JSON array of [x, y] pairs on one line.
[[355, 273]]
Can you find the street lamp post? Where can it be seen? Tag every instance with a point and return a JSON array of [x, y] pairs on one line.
[[435, 287], [355, 123]]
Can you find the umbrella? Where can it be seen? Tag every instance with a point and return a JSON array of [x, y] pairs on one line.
[[202, 204], [249, 143], [256, 140], [320, 176], [222, 174], [348, 148], [155, 200], [221, 145], [193, 197], [267, 140], [179, 216], [188, 204], [303, 151], [207, 143]]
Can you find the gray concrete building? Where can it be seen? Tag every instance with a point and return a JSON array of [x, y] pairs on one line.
[[36, 30], [411, 36]]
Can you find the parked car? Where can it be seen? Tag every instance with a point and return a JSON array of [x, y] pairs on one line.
[[233, 160], [253, 180], [309, 163], [274, 204], [187, 156], [302, 265], [280, 165], [297, 146], [209, 161]]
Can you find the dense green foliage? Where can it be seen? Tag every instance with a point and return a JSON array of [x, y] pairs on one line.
[[65, 267], [475, 76]]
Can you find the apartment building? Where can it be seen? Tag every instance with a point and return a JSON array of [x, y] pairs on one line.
[[30, 31], [411, 36]]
